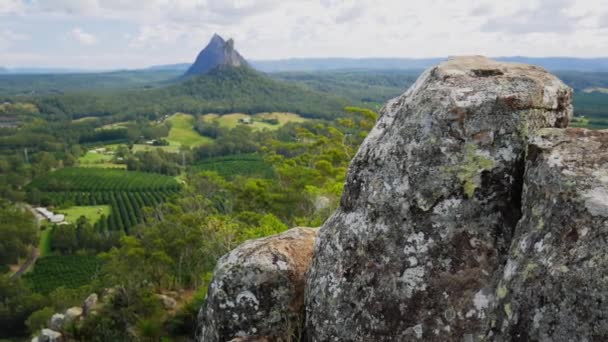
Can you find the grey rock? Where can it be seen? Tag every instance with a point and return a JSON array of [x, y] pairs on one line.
[[73, 314], [90, 304], [555, 283], [57, 321], [218, 53], [168, 302], [429, 206], [48, 335], [257, 291]]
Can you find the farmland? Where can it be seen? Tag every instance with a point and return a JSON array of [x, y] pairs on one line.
[[93, 212], [247, 165], [94, 159], [182, 132], [99, 179], [111, 199], [70, 271], [258, 121]]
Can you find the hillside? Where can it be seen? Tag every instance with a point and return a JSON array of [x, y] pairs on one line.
[[219, 91]]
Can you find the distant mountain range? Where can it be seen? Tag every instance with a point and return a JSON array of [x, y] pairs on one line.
[[319, 64]]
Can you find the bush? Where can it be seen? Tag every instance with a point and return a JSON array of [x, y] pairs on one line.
[[39, 319]]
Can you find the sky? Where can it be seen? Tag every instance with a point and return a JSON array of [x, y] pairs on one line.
[[110, 34]]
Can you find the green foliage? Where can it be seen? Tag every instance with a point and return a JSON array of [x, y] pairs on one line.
[[247, 165], [70, 271], [100, 82], [17, 232], [225, 90], [39, 319], [99, 179], [17, 303]]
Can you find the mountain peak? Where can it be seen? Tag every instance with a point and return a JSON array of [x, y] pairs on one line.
[[218, 53]]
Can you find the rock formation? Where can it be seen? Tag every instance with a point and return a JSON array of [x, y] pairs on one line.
[[469, 214], [555, 283], [218, 53], [257, 291], [430, 204]]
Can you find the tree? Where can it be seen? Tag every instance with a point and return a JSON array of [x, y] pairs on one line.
[[18, 231], [39, 319]]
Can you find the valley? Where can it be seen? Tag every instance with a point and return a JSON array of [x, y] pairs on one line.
[[157, 173]]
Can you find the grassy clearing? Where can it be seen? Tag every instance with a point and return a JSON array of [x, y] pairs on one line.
[[92, 213], [91, 159], [123, 124], [44, 246], [182, 132], [86, 119], [257, 120]]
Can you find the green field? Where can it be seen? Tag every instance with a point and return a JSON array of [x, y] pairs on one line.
[[257, 120], [70, 271], [92, 212], [248, 165], [44, 246], [92, 159], [182, 131]]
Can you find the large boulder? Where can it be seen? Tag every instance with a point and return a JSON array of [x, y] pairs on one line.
[[430, 204], [257, 291], [555, 283]]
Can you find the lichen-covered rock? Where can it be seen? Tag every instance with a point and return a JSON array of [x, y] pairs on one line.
[[73, 314], [555, 283], [429, 206], [257, 291], [167, 302], [57, 321], [90, 304], [48, 335]]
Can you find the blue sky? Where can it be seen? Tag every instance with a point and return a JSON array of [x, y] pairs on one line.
[[107, 34]]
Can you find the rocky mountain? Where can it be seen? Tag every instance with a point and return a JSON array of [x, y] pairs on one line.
[[218, 53], [470, 213]]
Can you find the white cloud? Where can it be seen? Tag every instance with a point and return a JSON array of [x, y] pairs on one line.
[[169, 31], [7, 37], [83, 37], [11, 6], [549, 16]]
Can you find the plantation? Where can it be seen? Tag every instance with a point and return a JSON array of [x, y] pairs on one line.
[[70, 271], [247, 165], [99, 179], [125, 192]]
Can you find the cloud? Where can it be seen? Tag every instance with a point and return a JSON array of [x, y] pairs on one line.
[[604, 21], [481, 10], [83, 37], [11, 6], [9, 36], [548, 17]]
